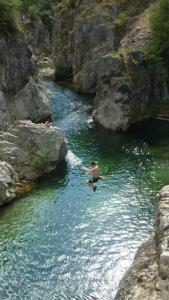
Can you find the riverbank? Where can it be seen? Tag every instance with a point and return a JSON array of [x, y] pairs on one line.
[[148, 277], [28, 148]]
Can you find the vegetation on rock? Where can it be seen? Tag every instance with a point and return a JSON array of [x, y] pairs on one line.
[[61, 71], [9, 12], [156, 51]]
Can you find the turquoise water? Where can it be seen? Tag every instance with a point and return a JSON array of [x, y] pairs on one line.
[[63, 241]]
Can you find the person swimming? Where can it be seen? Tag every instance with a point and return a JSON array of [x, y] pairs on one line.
[[94, 170]]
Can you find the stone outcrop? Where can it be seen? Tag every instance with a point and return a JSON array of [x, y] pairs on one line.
[[102, 41], [28, 150], [38, 37], [8, 179], [32, 149], [20, 96], [148, 277]]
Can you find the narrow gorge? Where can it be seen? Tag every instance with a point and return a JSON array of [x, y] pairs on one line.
[[81, 81]]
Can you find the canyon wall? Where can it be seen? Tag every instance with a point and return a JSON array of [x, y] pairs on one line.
[[100, 43], [21, 97], [27, 150], [148, 277]]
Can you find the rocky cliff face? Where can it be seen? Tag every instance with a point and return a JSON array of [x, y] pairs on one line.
[[20, 96], [102, 42], [148, 277], [27, 150], [8, 180], [38, 37]]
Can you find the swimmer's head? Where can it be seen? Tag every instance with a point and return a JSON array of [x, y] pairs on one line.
[[93, 163]]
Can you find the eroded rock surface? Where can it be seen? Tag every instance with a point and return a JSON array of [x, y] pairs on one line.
[[8, 179], [148, 277], [20, 96], [102, 42], [38, 37], [32, 149]]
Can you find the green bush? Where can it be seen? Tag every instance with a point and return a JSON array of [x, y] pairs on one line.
[[121, 21], [34, 12], [157, 50], [159, 22], [62, 71], [9, 14]]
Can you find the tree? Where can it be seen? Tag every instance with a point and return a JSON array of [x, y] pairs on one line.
[[9, 14]]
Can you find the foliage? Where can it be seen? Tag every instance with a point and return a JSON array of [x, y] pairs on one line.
[[34, 12], [9, 14], [40, 161], [127, 10], [156, 51], [121, 21], [62, 71], [40, 5], [10, 11], [42, 9], [159, 22]]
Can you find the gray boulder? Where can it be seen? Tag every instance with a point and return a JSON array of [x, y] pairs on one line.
[[20, 95], [8, 179], [30, 103], [32, 149]]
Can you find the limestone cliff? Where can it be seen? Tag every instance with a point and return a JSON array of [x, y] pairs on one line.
[[38, 37], [148, 277], [8, 180], [102, 42], [20, 96], [27, 150]]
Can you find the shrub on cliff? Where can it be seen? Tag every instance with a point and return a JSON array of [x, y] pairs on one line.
[[61, 71], [9, 14], [157, 50]]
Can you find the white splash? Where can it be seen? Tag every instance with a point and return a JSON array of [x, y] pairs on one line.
[[90, 120], [72, 159]]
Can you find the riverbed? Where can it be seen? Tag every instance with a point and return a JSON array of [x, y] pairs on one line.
[[64, 241]]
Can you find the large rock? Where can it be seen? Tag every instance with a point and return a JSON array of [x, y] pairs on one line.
[[20, 96], [30, 103], [8, 179], [32, 149], [162, 233], [124, 94], [148, 277]]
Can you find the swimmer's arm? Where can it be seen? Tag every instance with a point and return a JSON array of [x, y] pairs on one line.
[[87, 170]]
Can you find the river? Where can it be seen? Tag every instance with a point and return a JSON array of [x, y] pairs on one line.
[[63, 241]]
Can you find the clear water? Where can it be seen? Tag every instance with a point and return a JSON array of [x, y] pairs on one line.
[[63, 241]]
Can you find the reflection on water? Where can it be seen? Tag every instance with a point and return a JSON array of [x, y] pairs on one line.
[[65, 242]]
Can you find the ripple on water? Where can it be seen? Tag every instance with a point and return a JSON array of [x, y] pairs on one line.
[[66, 242]]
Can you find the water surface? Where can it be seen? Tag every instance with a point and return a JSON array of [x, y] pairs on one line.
[[64, 241]]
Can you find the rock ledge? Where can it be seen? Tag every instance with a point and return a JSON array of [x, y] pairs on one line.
[[148, 277]]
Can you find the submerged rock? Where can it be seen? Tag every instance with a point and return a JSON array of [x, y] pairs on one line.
[[32, 149], [8, 179]]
